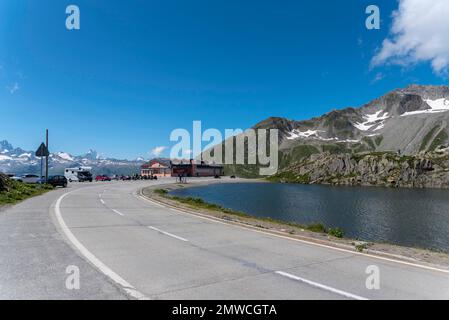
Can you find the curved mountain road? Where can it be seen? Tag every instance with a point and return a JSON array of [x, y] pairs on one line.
[[130, 247]]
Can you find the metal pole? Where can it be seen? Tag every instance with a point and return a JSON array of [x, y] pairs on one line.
[[42, 168], [46, 158]]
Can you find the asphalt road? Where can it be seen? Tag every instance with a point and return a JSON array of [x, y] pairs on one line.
[[127, 247]]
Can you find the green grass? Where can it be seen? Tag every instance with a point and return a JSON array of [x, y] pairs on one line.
[[336, 148], [379, 140], [160, 191], [427, 138], [440, 139], [19, 191], [336, 232], [303, 151], [369, 142], [290, 177], [250, 171]]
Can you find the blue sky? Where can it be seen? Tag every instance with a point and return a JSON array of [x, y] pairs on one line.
[[138, 69]]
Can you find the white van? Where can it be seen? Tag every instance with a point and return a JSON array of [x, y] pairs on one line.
[[79, 174]]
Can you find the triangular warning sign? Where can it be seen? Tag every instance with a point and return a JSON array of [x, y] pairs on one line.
[[42, 151]]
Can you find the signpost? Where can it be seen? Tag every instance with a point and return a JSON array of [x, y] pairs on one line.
[[41, 152], [46, 156]]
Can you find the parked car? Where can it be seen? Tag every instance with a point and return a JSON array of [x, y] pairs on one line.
[[57, 181], [102, 178], [12, 176], [30, 178], [80, 174]]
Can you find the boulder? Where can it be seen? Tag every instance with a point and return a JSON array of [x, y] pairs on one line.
[[4, 182], [428, 170]]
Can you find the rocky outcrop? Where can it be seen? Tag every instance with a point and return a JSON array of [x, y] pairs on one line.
[[4, 182], [425, 170]]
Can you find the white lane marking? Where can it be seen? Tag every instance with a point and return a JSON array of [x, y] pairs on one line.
[[102, 201], [168, 234], [118, 212], [201, 216], [132, 291], [321, 286], [145, 199]]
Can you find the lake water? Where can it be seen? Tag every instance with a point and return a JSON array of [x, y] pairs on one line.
[[408, 217]]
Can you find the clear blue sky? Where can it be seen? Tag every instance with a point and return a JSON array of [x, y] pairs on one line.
[[138, 69]]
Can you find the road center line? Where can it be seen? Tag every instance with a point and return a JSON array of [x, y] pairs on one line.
[[118, 212], [280, 236], [132, 291], [168, 234], [321, 286]]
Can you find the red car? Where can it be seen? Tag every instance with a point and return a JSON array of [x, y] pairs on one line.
[[102, 178]]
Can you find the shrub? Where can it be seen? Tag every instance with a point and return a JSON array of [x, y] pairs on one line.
[[316, 227], [336, 232], [160, 191]]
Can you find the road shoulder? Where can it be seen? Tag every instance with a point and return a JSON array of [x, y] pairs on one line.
[[426, 258], [36, 260]]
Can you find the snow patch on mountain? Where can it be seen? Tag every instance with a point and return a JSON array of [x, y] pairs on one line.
[[436, 106], [295, 134], [375, 120], [313, 134]]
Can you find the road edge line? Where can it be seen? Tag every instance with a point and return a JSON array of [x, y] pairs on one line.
[[127, 287], [320, 286], [373, 255]]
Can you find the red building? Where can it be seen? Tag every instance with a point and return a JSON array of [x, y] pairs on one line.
[[192, 169], [156, 167], [167, 168]]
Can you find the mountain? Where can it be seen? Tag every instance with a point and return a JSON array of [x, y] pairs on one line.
[[19, 161], [410, 122]]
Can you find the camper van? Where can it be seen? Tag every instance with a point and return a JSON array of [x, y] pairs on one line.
[[80, 174]]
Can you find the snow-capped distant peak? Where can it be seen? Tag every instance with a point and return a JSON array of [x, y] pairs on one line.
[[65, 156], [25, 155], [5, 146]]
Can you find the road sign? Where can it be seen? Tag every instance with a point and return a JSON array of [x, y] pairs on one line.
[[42, 151]]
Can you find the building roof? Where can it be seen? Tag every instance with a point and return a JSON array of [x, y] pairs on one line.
[[161, 161]]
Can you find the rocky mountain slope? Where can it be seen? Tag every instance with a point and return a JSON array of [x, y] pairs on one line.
[[410, 122], [19, 161], [407, 119], [388, 169]]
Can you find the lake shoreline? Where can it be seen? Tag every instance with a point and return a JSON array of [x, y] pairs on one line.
[[407, 254]]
